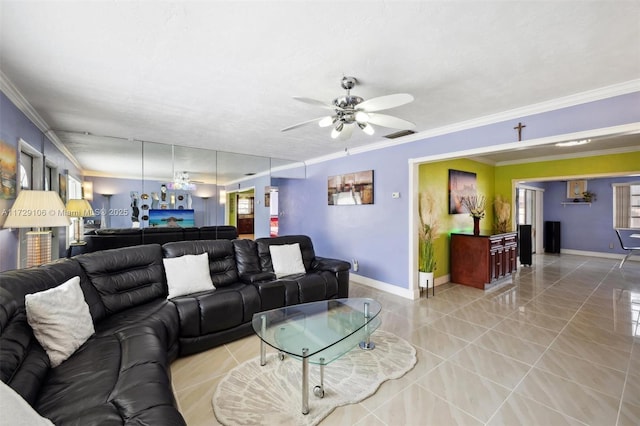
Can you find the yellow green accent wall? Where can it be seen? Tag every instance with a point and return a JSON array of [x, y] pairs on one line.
[[492, 181], [434, 177]]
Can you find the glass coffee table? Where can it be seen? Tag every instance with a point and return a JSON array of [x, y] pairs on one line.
[[317, 333]]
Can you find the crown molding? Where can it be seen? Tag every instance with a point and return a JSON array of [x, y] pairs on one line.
[[538, 108], [14, 95]]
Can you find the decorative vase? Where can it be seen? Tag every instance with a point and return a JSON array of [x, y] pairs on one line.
[[425, 279], [476, 226]]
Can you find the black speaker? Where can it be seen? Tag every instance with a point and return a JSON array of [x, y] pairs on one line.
[[551, 237], [524, 244]]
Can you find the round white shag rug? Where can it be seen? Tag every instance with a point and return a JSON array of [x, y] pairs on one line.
[[251, 394]]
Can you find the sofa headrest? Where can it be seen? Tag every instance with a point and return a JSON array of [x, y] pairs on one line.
[[306, 248]]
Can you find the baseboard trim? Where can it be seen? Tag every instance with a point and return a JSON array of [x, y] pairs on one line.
[[616, 256], [394, 289]]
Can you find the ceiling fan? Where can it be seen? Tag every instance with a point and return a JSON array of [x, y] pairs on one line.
[[350, 111]]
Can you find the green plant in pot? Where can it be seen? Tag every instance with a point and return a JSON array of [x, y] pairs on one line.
[[427, 234]]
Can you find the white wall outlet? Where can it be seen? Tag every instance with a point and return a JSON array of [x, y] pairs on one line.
[[395, 195], [355, 265], [610, 245]]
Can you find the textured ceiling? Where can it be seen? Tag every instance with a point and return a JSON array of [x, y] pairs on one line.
[[221, 75]]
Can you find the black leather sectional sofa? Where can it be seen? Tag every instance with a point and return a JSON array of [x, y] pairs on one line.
[[121, 374], [110, 238]]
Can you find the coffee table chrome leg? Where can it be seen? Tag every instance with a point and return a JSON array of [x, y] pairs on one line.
[[367, 344], [318, 391], [263, 348], [305, 381]]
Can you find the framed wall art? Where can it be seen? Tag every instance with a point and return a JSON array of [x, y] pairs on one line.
[[461, 184], [576, 189], [350, 189]]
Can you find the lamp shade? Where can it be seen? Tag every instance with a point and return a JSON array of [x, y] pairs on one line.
[[79, 208], [37, 209]]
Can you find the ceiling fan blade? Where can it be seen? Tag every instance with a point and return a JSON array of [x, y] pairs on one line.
[[346, 132], [385, 102], [314, 102], [390, 121], [304, 123]]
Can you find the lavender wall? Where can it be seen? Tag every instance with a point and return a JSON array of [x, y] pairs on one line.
[[14, 125], [377, 235], [584, 227]]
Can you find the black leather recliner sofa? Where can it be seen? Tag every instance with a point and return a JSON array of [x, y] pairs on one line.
[[121, 374], [110, 238]]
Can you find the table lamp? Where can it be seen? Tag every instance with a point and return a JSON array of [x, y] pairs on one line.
[[78, 209], [37, 209]]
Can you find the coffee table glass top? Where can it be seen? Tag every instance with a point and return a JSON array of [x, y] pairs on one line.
[[327, 328]]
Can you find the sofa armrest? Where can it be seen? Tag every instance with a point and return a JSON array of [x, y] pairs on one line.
[[331, 265], [272, 294]]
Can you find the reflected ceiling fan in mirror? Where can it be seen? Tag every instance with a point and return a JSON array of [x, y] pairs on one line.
[[350, 111]]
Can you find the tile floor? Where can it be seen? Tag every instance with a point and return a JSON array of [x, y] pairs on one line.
[[555, 348]]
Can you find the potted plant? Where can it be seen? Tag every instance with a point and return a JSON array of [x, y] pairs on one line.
[[427, 234]]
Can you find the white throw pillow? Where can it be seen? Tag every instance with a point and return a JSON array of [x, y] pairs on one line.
[[187, 274], [286, 259], [16, 411], [60, 319]]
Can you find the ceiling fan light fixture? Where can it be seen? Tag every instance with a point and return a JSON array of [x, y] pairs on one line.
[[367, 128], [336, 131], [327, 121]]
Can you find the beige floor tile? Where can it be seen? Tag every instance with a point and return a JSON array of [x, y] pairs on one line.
[[426, 363], [465, 390], [369, 420], [495, 308], [629, 415], [531, 333], [459, 328], [519, 410], [547, 298], [500, 369], [595, 376], [592, 352], [532, 317], [195, 403], [194, 369], [510, 346], [441, 344], [551, 310], [614, 341], [476, 315], [632, 390], [416, 406], [346, 415], [580, 402]]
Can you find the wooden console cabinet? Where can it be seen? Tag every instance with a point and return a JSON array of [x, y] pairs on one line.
[[481, 260]]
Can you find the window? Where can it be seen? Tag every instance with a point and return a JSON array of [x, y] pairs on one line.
[[626, 205], [245, 206]]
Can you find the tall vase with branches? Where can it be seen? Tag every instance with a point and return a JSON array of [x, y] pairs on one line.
[[502, 213], [428, 232]]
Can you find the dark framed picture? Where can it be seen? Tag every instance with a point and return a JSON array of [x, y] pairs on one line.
[[350, 189], [461, 184]]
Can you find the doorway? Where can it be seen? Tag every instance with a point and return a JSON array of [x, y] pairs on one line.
[[241, 211], [529, 202]]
